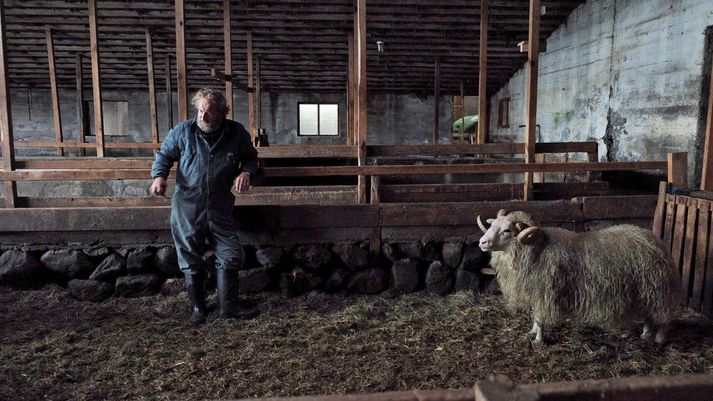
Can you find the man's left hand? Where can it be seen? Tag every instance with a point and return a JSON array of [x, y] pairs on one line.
[[242, 182]]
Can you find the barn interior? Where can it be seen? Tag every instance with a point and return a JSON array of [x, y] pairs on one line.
[[383, 128]]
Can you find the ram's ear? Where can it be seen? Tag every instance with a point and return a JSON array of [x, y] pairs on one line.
[[528, 235]]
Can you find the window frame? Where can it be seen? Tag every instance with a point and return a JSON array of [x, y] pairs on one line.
[[319, 107], [504, 113]]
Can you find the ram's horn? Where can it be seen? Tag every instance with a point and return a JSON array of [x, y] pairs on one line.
[[525, 218], [526, 234], [502, 212], [481, 225]]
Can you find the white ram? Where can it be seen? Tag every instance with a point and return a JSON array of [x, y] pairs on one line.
[[605, 278]]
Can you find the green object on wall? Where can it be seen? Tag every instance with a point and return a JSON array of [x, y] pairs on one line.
[[471, 124]]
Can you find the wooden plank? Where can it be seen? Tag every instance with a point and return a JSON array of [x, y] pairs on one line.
[[181, 68], [483, 75], [89, 163], [707, 170], [308, 151], [251, 83], [678, 169], [169, 92], [84, 219], [351, 87], [82, 129], [688, 249], [361, 99], [228, 56], [54, 92], [375, 190], [699, 272], [96, 79], [152, 88], [533, 56], [707, 301], [411, 193], [669, 221], [618, 207], [593, 156], [8, 143], [436, 98], [660, 212], [258, 97], [107, 145], [679, 229]]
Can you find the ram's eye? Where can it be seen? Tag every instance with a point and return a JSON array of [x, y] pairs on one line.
[[507, 231]]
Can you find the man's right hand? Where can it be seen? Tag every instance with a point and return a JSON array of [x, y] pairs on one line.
[[159, 186]]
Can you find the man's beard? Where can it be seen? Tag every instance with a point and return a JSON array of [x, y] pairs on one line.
[[207, 128]]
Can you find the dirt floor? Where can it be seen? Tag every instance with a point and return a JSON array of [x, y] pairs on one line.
[[54, 347]]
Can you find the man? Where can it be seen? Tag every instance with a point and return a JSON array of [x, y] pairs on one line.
[[213, 155]]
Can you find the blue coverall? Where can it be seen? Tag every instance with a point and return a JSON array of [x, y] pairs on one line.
[[202, 206]]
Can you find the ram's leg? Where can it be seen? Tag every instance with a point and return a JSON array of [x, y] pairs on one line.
[[661, 333], [648, 330], [536, 330]]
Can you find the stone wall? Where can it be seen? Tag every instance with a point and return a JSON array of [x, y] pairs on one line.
[[628, 74], [95, 273]]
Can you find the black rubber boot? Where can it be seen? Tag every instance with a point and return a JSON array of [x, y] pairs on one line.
[[196, 293], [228, 297]]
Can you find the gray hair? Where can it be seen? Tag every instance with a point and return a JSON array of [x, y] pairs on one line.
[[212, 96]]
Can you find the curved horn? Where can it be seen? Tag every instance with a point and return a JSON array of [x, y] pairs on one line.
[[502, 213], [522, 217], [526, 234], [482, 226]]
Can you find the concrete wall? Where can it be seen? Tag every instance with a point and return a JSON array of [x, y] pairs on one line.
[[626, 73]]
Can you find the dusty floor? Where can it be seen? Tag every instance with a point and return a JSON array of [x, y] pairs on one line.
[[54, 347]]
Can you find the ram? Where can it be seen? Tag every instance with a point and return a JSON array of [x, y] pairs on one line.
[[605, 278]]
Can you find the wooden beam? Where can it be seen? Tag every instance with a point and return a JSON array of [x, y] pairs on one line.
[[220, 76], [181, 68], [96, 79], [483, 75], [678, 170], [169, 93], [54, 93], [436, 98], [8, 149], [361, 99], [258, 96], [533, 56], [152, 87], [81, 127], [251, 79], [228, 50], [350, 88], [707, 174]]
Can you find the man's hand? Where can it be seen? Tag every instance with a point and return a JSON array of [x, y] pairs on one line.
[[158, 187], [242, 182]]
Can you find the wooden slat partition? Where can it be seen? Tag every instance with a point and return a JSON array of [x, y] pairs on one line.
[[683, 223]]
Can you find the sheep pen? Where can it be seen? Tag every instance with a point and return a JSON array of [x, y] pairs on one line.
[[55, 347]]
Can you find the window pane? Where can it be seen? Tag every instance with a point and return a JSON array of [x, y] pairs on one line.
[[328, 119], [308, 119]]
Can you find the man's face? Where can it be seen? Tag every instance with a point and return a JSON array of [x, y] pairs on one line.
[[209, 116]]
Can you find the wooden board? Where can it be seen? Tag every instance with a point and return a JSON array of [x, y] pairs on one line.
[[701, 247]]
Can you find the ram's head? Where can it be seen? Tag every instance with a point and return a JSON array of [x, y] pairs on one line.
[[505, 227]]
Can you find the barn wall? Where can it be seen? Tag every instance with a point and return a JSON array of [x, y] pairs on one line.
[[392, 119], [627, 74]]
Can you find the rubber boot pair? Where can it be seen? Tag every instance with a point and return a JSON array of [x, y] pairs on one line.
[[196, 294], [228, 305]]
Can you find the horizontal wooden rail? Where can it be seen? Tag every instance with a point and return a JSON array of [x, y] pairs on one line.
[[118, 174]]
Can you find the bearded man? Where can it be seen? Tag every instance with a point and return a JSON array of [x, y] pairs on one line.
[[214, 154]]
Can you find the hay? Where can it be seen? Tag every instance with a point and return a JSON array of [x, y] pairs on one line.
[[54, 347]]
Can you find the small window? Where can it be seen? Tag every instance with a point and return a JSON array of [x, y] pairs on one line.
[[504, 113], [318, 119]]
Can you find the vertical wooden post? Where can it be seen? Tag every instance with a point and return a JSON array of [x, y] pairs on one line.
[[350, 88], [152, 87], [483, 75], [228, 46], [182, 84], [169, 93], [707, 176], [81, 127], [360, 39], [258, 96], [533, 55], [251, 84], [57, 116], [96, 79], [375, 193], [436, 98], [462, 109], [678, 169], [8, 145]]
